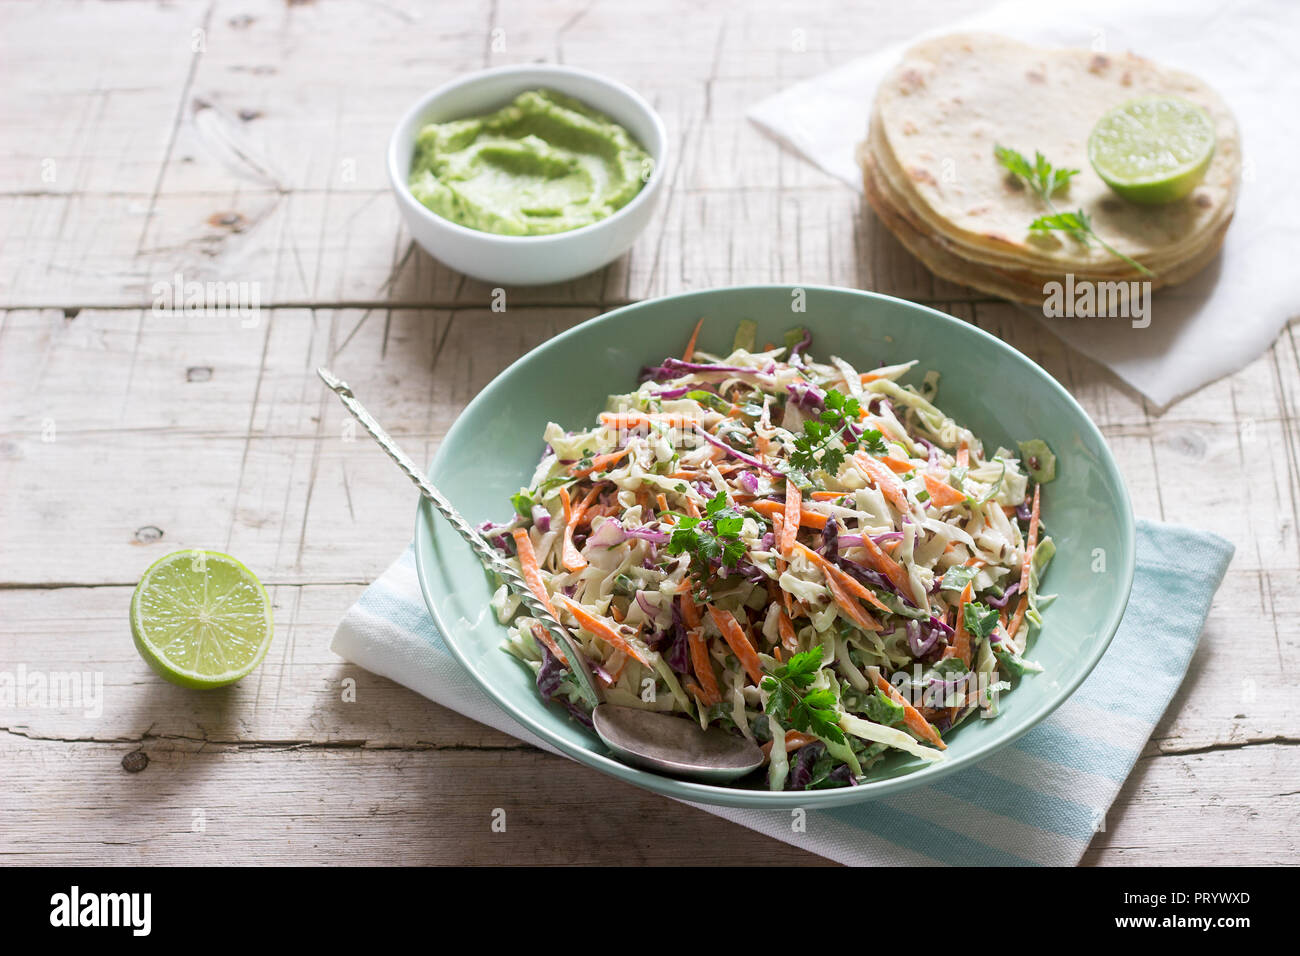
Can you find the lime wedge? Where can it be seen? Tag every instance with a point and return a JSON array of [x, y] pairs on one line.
[[201, 619], [1152, 150]]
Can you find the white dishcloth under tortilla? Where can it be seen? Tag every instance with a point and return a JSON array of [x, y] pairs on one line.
[[1250, 53]]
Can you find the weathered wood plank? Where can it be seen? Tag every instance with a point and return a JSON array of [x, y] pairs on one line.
[[207, 804], [252, 151], [1236, 692], [278, 804], [272, 155]]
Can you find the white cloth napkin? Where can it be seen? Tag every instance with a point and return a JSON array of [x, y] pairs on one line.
[[1232, 311], [1039, 801]]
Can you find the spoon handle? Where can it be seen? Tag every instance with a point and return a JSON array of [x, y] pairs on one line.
[[490, 559]]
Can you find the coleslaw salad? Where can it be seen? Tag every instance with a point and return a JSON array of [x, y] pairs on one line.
[[810, 555]]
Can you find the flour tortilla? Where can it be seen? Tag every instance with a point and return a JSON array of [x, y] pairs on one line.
[[1017, 285], [1006, 256], [939, 113]]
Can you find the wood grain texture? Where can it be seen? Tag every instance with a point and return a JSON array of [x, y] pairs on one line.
[[243, 142]]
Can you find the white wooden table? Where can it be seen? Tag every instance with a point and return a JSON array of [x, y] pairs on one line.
[[242, 141]]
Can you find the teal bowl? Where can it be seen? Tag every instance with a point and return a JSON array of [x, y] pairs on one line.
[[493, 448]]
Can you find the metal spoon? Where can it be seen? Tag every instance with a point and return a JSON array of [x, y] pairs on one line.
[[673, 745]]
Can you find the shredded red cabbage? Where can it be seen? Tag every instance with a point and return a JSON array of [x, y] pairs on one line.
[[541, 518], [608, 534], [1006, 596], [738, 455], [648, 534], [802, 343], [807, 395], [551, 674], [671, 393], [920, 646], [650, 610]]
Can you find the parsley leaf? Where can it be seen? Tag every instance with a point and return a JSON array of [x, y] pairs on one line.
[[1040, 175], [1078, 224], [716, 535], [873, 441], [839, 407], [801, 669], [523, 503], [980, 619], [1044, 181], [793, 704], [816, 714], [836, 421], [883, 710], [956, 578]]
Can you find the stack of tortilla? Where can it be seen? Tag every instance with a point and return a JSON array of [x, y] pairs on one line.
[[930, 173]]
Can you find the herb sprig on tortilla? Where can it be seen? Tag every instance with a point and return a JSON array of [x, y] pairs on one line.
[[1045, 180]]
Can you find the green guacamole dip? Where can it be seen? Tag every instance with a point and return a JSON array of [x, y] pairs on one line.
[[544, 164]]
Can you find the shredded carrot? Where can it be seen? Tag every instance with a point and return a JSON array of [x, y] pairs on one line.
[[960, 646], [703, 666], [643, 499], [1031, 544], [886, 565], [691, 509], [602, 463], [542, 635], [846, 580], [829, 495], [690, 613], [808, 519], [738, 642], [778, 525], [1018, 617], [690, 345], [897, 465], [661, 501], [532, 572], [880, 426], [884, 479], [837, 581], [793, 506], [963, 457], [851, 608], [573, 517], [942, 493], [633, 420], [607, 633], [785, 627], [912, 718]]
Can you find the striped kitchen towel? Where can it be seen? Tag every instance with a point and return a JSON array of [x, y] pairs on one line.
[[1038, 801]]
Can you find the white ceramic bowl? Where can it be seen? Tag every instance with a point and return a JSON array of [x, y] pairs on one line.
[[527, 260]]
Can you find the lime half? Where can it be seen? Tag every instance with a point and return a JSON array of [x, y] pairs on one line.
[[201, 619], [1152, 150]]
